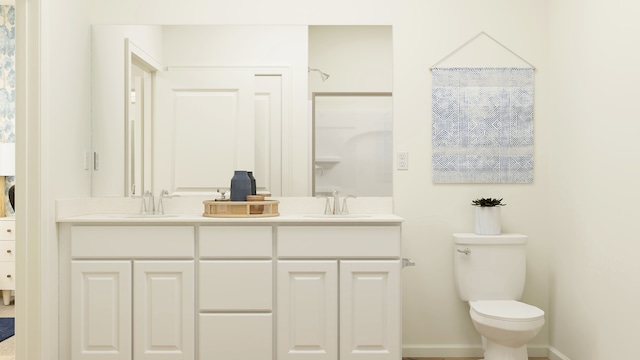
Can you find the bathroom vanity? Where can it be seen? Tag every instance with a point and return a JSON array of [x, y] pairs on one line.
[[190, 287]]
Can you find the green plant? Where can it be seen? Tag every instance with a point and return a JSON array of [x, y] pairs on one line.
[[488, 202]]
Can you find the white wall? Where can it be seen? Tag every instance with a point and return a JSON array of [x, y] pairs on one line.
[[580, 212], [53, 128], [435, 321], [595, 177], [67, 111], [585, 127]]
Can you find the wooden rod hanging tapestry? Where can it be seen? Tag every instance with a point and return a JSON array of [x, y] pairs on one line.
[[482, 130]]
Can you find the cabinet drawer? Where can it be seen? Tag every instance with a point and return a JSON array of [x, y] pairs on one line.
[[235, 242], [338, 241], [7, 276], [7, 251], [159, 242], [8, 230], [227, 285], [236, 336]]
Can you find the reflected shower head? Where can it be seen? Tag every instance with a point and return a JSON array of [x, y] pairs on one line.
[[323, 76]]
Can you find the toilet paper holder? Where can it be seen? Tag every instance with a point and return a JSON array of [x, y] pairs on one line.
[[408, 262]]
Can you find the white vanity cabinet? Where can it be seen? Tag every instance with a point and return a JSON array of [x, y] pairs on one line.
[[286, 288], [339, 292], [132, 292]]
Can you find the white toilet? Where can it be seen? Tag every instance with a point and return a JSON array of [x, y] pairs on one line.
[[490, 274]]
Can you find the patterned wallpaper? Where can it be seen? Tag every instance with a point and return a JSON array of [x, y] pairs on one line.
[[8, 83]]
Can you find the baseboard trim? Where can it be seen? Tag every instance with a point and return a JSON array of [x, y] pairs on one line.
[[554, 354], [443, 350], [457, 350]]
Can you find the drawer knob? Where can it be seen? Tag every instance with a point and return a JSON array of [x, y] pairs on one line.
[[9, 276], [8, 230], [8, 251]]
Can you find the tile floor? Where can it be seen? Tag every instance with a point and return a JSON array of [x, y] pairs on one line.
[[466, 358], [8, 347]]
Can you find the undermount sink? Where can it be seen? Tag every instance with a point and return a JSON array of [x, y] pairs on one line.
[[331, 216], [141, 216]]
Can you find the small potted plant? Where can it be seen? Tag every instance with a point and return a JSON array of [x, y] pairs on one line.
[[488, 216]]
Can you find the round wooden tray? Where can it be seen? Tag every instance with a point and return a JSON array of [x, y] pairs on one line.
[[240, 209]]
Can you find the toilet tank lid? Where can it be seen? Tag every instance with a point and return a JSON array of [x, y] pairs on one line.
[[474, 239]]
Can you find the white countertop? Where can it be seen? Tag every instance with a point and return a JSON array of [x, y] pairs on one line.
[[301, 210], [198, 218]]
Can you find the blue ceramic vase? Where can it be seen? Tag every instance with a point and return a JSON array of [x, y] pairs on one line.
[[253, 182], [240, 186]]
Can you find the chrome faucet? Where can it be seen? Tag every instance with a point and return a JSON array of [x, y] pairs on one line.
[[163, 195], [148, 206], [336, 203], [143, 202], [336, 209], [345, 209]]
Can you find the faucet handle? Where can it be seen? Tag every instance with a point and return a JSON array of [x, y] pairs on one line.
[[345, 209], [143, 207], [327, 206]]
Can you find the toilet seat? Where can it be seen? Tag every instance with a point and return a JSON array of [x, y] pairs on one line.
[[506, 310]]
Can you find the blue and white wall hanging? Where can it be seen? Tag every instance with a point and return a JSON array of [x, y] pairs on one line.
[[482, 123]]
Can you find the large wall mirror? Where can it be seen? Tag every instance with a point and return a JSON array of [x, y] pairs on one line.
[[180, 107]]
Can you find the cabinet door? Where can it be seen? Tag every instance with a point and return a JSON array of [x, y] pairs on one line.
[[101, 310], [163, 307], [307, 310], [370, 310]]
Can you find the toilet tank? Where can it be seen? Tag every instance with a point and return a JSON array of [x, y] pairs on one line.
[[490, 267]]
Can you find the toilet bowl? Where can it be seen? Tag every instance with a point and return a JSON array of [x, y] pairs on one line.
[[507, 326]]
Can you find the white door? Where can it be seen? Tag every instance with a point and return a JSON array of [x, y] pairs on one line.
[[138, 132], [101, 310], [370, 310], [164, 310], [307, 310], [269, 112], [204, 129]]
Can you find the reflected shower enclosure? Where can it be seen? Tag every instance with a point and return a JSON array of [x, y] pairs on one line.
[[352, 143]]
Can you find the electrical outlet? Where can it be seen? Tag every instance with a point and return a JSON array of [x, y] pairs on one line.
[[403, 160]]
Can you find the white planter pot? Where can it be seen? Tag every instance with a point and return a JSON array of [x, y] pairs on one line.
[[488, 220]]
